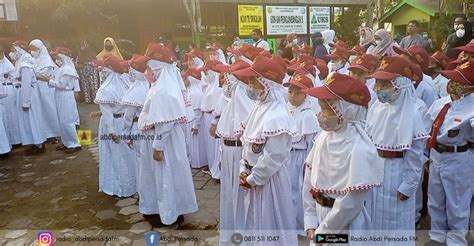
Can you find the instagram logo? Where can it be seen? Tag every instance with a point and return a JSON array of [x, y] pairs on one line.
[[45, 239]]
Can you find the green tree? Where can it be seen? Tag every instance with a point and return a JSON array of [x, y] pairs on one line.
[[347, 24]]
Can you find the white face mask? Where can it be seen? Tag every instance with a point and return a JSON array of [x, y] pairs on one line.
[[460, 33], [13, 55], [58, 62], [35, 53]]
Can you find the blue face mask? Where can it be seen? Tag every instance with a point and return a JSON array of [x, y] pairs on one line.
[[252, 94], [386, 96]]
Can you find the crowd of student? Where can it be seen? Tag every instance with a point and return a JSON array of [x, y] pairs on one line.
[[301, 146]]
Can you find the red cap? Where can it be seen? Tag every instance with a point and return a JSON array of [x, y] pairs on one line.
[[463, 74], [239, 64], [116, 64], [416, 52], [271, 69], [211, 65], [266, 53], [341, 86], [440, 58], [195, 52], [139, 62], [305, 64], [322, 67], [339, 52], [365, 62], [305, 49], [22, 44], [469, 48], [61, 50], [299, 80], [341, 43], [247, 50], [159, 52], [357, 50], [417, 73], [392, 67], [193, 72]]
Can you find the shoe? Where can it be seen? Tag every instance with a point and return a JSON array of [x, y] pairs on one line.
[[61, 147], [206, 171], [35, 150], [5, 156], [52, 140], [180, 220], [154, 219], [72, 150]]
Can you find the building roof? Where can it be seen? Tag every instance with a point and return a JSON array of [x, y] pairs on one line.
[[429, 7]]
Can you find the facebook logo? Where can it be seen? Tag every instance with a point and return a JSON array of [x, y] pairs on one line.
[[152, 238]]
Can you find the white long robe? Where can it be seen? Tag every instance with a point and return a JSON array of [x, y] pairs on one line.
[[268, 206], [66, 106], [30, 126], [130, 129], [165, 187], [197, 144], [5, 146], [10, 115], [116, 161], [48, 118]]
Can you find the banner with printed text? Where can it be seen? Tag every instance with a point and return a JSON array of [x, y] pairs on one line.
[[282, 20], [319, 19], [250, 18]]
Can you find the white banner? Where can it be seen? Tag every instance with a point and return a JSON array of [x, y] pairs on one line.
[[319, 19], [282, 20]]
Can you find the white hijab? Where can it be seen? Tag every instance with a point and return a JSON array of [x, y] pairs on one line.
[[6, 67], [44, 59], [195, 92], [135, 96], [113, 89], [165, 101], [221, 57], [300, 118], [212, 92], [394, 125], [24, 60], [236, 111], [67, 68], [345, 160], [270, 116], [328, 37]]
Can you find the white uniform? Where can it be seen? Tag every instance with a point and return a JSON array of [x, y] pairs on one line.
[[45, 67], [441, 84], [9, 102], [268, 207], [449, 191], [262, 44], [388, 212], [308, 127], [234, 113], [5, 146], [30, 126], [116, 160], [165, 187], [66, 82], [196, 143], [426, 91], [337, 168]]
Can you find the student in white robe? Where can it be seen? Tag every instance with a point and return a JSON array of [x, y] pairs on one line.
[[299, 106], [438, 62], [44, 69], [425, 89], [5, 146], [65, 83], [449, 189], [343, 166], [9, 102], [339, 59], [234, 113], [361, 67], [208, 105], [166, 187], [398, 132], [27, 104], [116, 159], [133, 100], [192, 80], [266, 141]]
